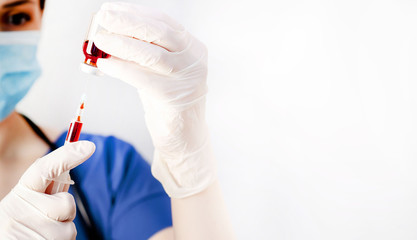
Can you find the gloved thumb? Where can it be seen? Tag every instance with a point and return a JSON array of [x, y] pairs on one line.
[[41, 173]]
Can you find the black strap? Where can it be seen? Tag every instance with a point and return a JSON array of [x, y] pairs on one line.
[[82, 209], [39, 132]]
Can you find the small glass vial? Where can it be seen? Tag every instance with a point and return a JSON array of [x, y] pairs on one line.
[[91, 52]]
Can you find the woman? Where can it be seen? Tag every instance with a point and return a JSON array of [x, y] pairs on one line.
[[116, 195]]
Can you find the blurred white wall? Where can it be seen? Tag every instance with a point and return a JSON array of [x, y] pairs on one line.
[[312, 109]]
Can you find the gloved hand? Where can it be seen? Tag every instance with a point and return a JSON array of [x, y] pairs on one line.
[[28, 213], [168, 66]]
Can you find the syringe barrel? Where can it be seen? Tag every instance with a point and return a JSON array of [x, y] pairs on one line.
[[61, 182], [74, 131]]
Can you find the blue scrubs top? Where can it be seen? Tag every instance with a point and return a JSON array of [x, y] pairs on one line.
[[125, 200]]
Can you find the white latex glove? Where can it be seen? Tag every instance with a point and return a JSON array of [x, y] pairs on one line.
[[28, 213], [168, 66]]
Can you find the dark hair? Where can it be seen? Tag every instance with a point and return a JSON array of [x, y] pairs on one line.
[[42, 4]]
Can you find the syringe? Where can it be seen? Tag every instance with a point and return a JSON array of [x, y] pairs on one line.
[[73, 135]]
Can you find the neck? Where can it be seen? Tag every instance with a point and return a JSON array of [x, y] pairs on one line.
[[12, 134], [19, 148]]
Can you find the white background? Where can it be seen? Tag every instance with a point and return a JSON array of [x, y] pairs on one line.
[[312, 109]]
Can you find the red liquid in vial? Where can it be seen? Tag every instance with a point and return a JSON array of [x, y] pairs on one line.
[[76, 131], [92, 53]]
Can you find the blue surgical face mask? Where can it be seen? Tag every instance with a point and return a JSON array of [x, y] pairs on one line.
[[19, 67]]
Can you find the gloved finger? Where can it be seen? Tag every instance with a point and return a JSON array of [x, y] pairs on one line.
[[58, 207], [129, 72], [144, 11], [141, 27], [55, 230], [162, 88], [60, 230], [65, 158], [67, 230], [143, 53], [151, 56], [41, 229], [25, 217]]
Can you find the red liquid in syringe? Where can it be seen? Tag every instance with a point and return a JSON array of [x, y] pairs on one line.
[[74, 130], [92, 53]]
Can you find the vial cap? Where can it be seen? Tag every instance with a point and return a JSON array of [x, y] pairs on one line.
[[90, 70]]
